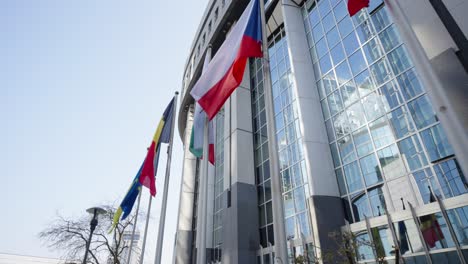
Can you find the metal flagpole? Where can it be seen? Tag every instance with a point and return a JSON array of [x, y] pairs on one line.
[[421, 237], [398, 253], [281, 251], [162, 218], [201, 252], [146, 230], [134, 227]]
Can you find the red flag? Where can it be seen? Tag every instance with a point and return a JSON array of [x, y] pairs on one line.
[[355, 6]]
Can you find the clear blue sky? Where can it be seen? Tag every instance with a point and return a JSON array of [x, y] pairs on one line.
[[83, 84]]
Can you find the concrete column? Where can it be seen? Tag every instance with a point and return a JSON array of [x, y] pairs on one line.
[[432, 51], [184, 234], [240, 219], [323, 187]]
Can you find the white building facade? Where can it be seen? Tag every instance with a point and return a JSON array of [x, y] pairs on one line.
[[371, 117]]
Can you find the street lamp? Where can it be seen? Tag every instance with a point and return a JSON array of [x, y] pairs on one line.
[[95, 211]]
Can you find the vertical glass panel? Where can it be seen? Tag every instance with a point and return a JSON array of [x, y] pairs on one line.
[[267, 191], [373, 51], [399, 60], [370, 170], [341, 182], [436, 143], [350, 44], [345, 27], [337, 54], [435, 231], [408, 237], [303, 220], [271, 235], [377, 201], [347, 207], [409, 84], [324, 7], [330, 133], [299, 199], [364, 83], [383, 242], [381, 133], [401, 122], [346, 147], [349, 93], [353, 177], [342, 12], [422, 112], [362, 141], [321, 89], [287, 185], [365, 31], [335, 156], [342, 73], [333, 37], [356, 117], [269, 213], [329, 82], [321, 48], [288, 204], [290, 226], [263, 237], [325, 63], [373, 106], [380, 72], [424, 179], [459, 220], [328, 22], [451, 179], [326, 112], [391, 163], [262, 214], [412, 153], [381, 19], [357, 62], [340, 122], [390, 95], [335, 103], [314, 18], [360, 206], [296, 173], [389, 38]]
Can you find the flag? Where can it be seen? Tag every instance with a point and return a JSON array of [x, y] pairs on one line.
[[196, 138], [355, 6], [129, 200], [226, 70], [404, 246], [431, 230], [211, 140], [162, 135]]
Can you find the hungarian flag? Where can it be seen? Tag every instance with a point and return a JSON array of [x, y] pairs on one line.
[[226, 70], [196, 138], [162, 135], [355, 6]]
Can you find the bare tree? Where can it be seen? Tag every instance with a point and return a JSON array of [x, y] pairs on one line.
[[70, 235]]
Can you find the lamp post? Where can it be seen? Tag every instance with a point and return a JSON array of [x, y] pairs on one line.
[[95, 211]]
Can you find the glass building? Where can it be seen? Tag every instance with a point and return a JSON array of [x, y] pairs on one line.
[[371, 130]]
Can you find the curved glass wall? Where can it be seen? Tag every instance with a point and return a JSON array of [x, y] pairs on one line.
[[386, 141], [218, 188]]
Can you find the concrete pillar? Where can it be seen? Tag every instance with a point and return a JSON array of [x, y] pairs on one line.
[[184, 234], [240, 218], [323, 187]]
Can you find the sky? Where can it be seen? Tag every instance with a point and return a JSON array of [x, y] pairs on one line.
[[83, 84]]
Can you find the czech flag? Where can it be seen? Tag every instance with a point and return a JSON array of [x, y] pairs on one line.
[[355, 6], [226, 70], [162, 135]]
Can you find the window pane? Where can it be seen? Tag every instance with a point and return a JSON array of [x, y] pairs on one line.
[[451, 179], [399, 60], [364, 83], [341, 182], [360, 206], [373, 106], [436, 143], [340, 122], [363, 142], [365, 31], [328, 22], [325, 63], [356, 117], [299, 199], [321, 48], [422, 112], [357, 62], [389, 38], [380, 72], [383, 241], [391, 163], [373, 51], [342, 12], [349, 93], [350, 44], [377, 201], [353, 177], [335, 156], [424, 179], [408, 237], [342, 73], [370, 170], [329, 82], [381, 133], [337, 54], [412, 153], [324, 7], [410, 85], [459, 219], [381, 19], [401, 122], [346, 148], [333, 38], [288, 204], [364, 250], [390, 95]]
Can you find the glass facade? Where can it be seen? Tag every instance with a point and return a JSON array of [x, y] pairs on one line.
[[291, 158], [382, 129], [218, 187]]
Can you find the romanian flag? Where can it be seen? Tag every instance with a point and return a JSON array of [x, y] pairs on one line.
[[129, 200], [162, 135], [431, 230], [355, 6], [226, 70]]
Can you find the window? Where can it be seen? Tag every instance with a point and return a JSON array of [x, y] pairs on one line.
[[451, 179], [412, 153], [435, 231], [353, 177], [371, 170], [436, 143], [422, 112]]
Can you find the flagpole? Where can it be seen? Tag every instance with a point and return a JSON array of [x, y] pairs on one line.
[[146, 230], [421, 237], [162, 218], [398, 253], [201, 253], [134, 227], [277, 194]]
